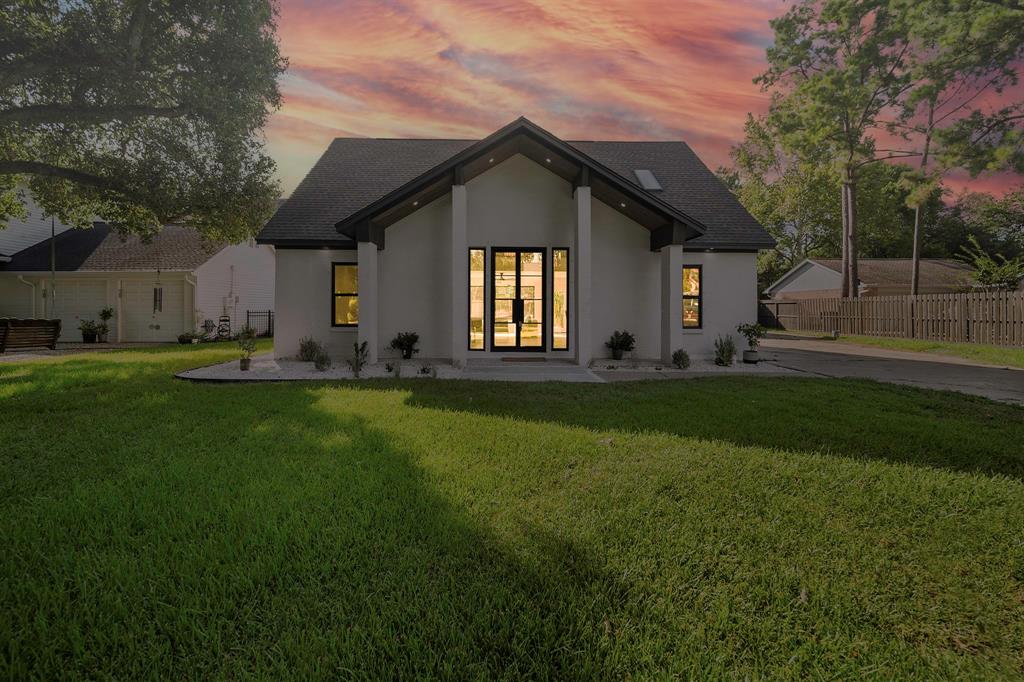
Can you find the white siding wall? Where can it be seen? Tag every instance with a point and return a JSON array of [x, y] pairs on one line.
[[303, 300], [238, 278], [810, 277], [20, 234], [15, 297]]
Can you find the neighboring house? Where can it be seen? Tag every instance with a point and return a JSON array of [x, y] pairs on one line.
[[157, 290], [19, 234], [822, 278], [519, 243]]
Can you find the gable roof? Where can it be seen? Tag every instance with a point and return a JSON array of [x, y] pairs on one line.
[[883, 272], [102, 249], [358, 178], [19, 234]]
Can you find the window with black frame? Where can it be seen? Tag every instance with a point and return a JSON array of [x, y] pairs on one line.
[[692, 314]]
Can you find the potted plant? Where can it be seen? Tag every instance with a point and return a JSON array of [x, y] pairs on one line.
[[103, 328], [405, 342], [247, 344], [619, 343], [89, 330], [753, 333]]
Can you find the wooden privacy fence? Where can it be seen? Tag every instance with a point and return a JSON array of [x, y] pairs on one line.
[[995, 317]]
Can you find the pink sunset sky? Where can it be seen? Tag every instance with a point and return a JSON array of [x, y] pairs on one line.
[[583, 69]]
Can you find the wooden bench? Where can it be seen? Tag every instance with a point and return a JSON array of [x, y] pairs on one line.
[[20, 334]]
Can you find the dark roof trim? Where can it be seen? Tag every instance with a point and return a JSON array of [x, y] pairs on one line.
[[521, 126], [339, 244]]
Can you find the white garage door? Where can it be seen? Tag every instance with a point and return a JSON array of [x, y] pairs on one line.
[[77, 300], [150, 316]]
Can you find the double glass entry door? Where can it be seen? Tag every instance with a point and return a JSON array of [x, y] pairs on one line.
[[518, 299]]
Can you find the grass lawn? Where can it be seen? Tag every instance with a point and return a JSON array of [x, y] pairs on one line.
[[721, 527], [993, 355]]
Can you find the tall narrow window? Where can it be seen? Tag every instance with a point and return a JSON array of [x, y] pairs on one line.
[[692, 297], [158, 300], [560, 299], [345, 303], [477, 277]]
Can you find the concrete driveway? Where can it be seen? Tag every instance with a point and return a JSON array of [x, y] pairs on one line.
[[955, 374]]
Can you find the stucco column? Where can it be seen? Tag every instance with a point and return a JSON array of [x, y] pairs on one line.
[[584, 324], [368, 298], [671, 300], [460, 277]]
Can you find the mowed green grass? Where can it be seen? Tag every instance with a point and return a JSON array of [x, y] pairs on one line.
[[992, 355], [733, 527]]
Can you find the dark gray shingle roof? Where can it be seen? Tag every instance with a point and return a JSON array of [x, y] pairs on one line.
[[355, 172], [101, 249]]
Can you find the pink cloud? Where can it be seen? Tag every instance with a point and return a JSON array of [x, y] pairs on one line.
[[584, 69]]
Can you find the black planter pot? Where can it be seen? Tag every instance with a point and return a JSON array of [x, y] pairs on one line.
[[88, 337], [616, 353], [243, 364], [407, 355]]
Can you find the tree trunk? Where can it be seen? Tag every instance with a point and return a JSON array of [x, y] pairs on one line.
[[844, 286], [851, 200], [915, 270]]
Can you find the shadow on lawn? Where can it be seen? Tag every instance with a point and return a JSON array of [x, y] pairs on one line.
[[853, 418], [262, 532]]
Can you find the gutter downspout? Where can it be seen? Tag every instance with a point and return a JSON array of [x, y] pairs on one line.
[[21, 278], [192, 283]]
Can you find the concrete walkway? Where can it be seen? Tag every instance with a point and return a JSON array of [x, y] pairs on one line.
[[851, 361]]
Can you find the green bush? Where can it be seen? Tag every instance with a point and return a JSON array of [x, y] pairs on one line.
[[680, 358], [322, 361], [405, 342], [309, 349], [360, 352], [725, 351]]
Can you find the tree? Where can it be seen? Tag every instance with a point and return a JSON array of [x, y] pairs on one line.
[[963, 49], [992, 272], [143, 112], [838, 65], [793, 198], [788, 196]]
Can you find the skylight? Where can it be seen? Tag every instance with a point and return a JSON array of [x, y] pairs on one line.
[[647, 180]]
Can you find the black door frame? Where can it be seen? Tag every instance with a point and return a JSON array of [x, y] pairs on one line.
[[518, 348]]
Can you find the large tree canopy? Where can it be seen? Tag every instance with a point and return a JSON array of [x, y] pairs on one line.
[[143, 112]]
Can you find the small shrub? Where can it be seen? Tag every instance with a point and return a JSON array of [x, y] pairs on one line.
[[322, 361], [753, 333], [680, 358], [360, 352], [725, 351], [309, 349], [426, 370], [621, 342], [247, 342], [405, 342]]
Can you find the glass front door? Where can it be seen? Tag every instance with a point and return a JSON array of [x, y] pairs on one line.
[[518, 305]]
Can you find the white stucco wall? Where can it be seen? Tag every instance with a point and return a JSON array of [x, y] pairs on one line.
[[415, 281], [729, 297], [625, 283], [516, 204], [238, 278], [303, 305]]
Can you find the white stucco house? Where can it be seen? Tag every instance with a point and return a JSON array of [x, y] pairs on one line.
[[157, 289], [515, 246]]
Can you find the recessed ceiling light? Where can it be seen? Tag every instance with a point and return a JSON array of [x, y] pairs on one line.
[[548, 160], [622, 204], [415, 203], [490, 160]]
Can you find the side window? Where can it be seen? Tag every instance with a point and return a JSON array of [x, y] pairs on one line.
[[692, 314], [345, 303]]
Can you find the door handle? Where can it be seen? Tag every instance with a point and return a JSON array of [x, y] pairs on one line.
[[517, 310]]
